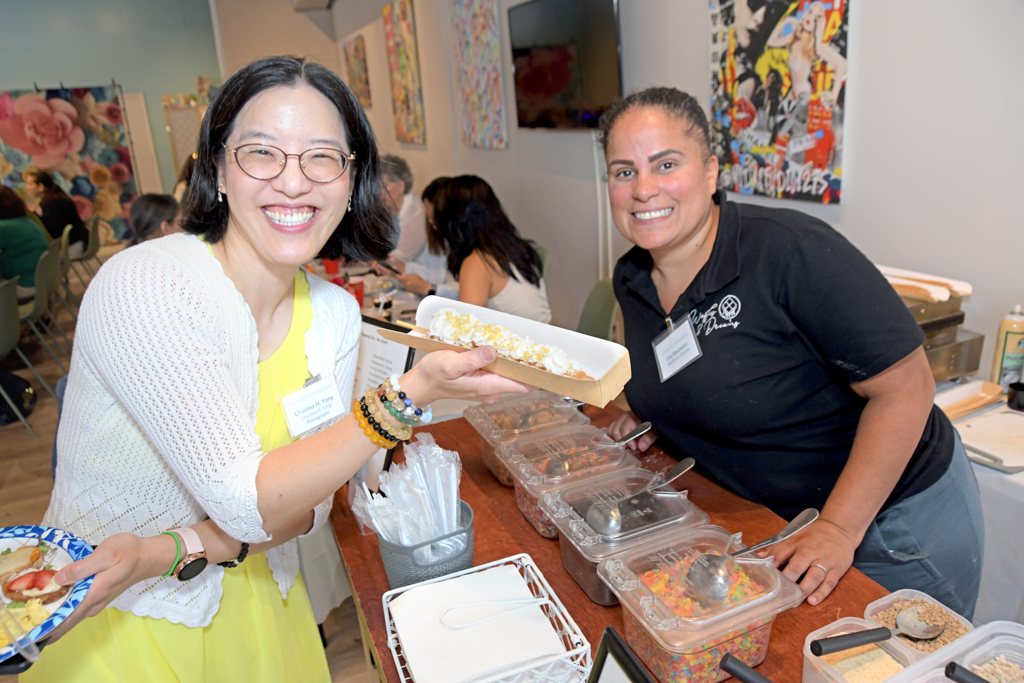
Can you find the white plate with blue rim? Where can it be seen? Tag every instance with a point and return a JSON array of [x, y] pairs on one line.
[[59, 549]]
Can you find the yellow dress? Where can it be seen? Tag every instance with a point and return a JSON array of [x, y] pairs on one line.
[[255, 636]]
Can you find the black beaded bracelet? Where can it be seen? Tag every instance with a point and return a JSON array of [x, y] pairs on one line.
[[238, 560]]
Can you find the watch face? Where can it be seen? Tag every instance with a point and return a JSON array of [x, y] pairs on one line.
[[192, 569]]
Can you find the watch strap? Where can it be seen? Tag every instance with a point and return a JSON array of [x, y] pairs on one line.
[[191, 539], [195, 560]]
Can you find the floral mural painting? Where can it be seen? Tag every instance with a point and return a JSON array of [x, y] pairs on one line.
[[79, 136], [355, 65], [404, 66], [475, 47]]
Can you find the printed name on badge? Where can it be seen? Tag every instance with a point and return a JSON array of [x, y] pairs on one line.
[[675, 348], [312, 407]]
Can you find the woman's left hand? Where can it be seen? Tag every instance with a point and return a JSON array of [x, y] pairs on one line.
[[413, 283], [822, 553], [118, 563]]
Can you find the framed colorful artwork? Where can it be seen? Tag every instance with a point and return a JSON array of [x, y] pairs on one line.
[[476, 43], [355, 64], [404, 67], [778, 96]]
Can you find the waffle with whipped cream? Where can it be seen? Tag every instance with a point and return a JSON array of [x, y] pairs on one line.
[[466, 330]]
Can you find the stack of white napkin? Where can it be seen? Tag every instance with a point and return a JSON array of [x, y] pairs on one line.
[[438, 654]]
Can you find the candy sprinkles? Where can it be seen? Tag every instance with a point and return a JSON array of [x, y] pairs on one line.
[[670, 586]]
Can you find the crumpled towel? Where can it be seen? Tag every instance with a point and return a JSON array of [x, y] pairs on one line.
[[438, 654]]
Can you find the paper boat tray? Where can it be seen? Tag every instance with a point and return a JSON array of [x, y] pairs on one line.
[[606, 361]]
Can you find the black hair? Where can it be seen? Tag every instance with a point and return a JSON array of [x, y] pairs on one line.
[[51, 190], [435, 243], [670, 100], [185, 174], [11, 205], [147, 213], [366, 232], [469, 218]]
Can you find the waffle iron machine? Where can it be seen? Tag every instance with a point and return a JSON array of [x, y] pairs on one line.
[[952, 351]]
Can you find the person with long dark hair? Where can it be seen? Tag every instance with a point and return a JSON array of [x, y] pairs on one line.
[[494, 265], [174, 457], [428, 272], [56, 209], [152, 216], [21, 243]]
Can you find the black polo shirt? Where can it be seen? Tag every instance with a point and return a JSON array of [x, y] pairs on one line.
[[788, 314]]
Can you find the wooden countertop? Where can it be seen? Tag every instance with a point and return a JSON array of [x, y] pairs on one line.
[[500, 530]]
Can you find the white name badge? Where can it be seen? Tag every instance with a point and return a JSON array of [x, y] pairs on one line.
[[313, 407], [675, 348]]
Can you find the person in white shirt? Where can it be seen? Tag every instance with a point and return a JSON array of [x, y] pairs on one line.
[[396, 187], [172, 450]]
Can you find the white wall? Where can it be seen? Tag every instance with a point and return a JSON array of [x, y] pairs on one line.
[[250, 29], [932, 142]]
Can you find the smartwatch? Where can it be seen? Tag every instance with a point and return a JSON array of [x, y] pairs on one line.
[[432, 291], [194, 561]]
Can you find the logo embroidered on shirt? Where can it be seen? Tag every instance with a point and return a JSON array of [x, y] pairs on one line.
[[719, 315]]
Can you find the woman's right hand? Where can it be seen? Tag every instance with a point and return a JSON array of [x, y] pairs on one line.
[[413, 283], [451, 374], [623, 425], [118, 563]]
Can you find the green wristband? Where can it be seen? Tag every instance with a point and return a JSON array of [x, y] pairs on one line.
[[177, 556]]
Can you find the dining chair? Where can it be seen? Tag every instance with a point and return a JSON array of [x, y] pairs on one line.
[[65, 266], [91, 249], [598, 316], [54, 281], [32, 312]]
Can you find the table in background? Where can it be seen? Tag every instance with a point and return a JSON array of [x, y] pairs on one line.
[[500, 530]]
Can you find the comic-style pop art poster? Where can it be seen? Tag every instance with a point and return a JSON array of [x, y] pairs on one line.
[[778, 76]]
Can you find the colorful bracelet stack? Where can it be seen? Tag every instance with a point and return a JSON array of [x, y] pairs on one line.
[[373, 422]]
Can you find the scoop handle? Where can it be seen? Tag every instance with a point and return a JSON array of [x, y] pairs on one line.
[[827, 646], [740, 671], [961, 674], [798, 523]]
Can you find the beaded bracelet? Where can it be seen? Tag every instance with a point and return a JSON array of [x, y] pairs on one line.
[[177, 556], [371, 431], [403, 433], [378, 423], [231, 564], [409, 412]]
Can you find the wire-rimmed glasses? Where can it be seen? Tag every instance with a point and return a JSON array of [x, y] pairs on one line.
[[266, 162]]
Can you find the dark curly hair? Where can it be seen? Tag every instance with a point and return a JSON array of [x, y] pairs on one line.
[[670, 100], [469, 217], [366, 232]]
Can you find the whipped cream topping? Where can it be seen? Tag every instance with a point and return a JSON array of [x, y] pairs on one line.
[[467, 330]]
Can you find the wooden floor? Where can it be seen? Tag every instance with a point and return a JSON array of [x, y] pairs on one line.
[[25, 486]]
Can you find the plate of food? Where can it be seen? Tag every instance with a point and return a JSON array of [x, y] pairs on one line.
[[381, 285], [30, 557]]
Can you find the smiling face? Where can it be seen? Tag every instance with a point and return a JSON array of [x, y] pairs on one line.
[[660, 180], [287, 220]]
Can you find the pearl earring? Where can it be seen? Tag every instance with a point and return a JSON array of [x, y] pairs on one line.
[[349, 202], [220, 195]]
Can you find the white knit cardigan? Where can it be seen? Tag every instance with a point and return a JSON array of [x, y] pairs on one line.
[[158, 429]]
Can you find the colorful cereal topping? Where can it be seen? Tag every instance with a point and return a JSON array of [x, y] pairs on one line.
[[749, 645], [668, 582]]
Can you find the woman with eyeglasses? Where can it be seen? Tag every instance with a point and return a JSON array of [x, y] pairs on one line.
[[174, 454]]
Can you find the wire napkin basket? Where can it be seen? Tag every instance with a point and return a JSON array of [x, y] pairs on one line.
[[572, 666]]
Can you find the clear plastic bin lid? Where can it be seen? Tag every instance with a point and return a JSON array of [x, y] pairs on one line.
[[644, 515], [516, 414], [651, 582], [554, 458]]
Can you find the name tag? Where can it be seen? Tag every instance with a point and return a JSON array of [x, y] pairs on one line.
[[310, 409], [675, 348]]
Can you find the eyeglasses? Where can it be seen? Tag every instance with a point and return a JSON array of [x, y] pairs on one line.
[[266, 162]]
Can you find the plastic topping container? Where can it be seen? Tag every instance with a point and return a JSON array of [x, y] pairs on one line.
[[676, 635], [980, 647], [888, 601], [555, 458], [645, 517], [866, 663], [516, 415]]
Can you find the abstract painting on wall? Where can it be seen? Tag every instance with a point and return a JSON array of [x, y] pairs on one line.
[[79, 136], [404, 66], [778, 96], [355, 64], [476, 49]]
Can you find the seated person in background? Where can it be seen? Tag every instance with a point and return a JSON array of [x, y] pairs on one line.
[[184, 177], [428, 274], [152, 216], [494, 266], [56, 209], [396, 188], [21, 243]]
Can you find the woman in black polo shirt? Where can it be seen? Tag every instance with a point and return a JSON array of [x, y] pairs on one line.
[[770, 349]]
